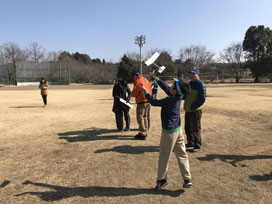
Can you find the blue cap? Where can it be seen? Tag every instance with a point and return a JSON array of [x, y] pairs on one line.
[[135, 74], [195, 71]]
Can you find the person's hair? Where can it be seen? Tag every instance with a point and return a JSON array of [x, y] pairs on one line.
[[124, 83], [42, 80], [184, 87]]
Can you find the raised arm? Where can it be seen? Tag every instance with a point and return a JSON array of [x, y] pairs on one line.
[[164, 86], [153, 101]]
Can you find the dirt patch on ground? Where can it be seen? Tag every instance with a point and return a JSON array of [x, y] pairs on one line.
[[70, 151]]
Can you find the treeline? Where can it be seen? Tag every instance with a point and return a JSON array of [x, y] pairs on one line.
[[82, 68], [254, 53]]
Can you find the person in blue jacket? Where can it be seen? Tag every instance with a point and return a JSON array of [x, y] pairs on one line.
[[172, 138], [193, 110]]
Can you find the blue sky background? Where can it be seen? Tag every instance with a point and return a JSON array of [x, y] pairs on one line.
[[106, 28]]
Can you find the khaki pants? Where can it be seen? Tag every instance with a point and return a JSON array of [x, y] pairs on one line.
[[173, 142], [142, 112]]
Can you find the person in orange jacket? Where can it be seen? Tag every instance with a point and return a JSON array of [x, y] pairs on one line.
[[143, 105]]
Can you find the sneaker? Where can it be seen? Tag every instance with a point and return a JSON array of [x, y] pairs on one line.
[[189, 145], [120, 130], [196, 149], [139, 136], [160, 184], [187, 183], [127, 130]]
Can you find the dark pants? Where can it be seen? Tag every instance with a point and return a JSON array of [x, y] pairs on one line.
[[119, 119], [148, 118], [154, 95], [44, 97], [193, 128]]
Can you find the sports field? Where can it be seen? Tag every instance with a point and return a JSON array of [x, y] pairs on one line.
[[70, 151]]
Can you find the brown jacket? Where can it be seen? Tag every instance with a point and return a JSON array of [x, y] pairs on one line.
[[44, 88]]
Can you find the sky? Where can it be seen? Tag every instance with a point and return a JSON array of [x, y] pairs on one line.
[[106, 29]]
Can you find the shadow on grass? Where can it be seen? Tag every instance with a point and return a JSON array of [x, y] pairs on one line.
[[26, 107], [127, 149], [4, 184], [232, 159], [60, 192], [265, 177], [93, 134], [105, 99]]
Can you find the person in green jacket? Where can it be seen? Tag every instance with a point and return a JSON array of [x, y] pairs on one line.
[[193, 110]]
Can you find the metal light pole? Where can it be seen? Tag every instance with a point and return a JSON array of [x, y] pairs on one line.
[[140, 40]]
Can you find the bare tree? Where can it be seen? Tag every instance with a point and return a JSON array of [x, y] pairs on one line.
[[52, 56], [3, 69], [2, 56], [198, 55], [234, 56], [133, 56], [150, 52], [13, 54], [35, 52], [103, 73]]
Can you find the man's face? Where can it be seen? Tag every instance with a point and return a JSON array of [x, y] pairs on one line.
[[193, 76]]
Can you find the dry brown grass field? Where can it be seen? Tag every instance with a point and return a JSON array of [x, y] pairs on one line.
[[70, 151]]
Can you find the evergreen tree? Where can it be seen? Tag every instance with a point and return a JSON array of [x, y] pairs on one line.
[[258, 45], [125, 69]]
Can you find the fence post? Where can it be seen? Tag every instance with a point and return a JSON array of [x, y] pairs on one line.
[[68, 66], [60, 72]]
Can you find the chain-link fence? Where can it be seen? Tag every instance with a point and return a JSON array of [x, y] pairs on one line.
[[5, 74], [215, 78], [246, 77], [28, 73], [53, 72]]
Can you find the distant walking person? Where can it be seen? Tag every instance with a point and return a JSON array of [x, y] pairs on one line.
[[193, 110], [154, 88], [44, 90], [120, 90]]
